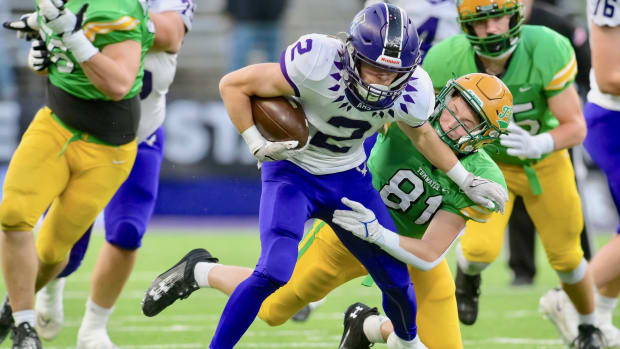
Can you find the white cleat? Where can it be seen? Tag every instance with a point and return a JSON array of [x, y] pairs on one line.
[[611, 334], [557, 307], [94, 339], [49, 315]]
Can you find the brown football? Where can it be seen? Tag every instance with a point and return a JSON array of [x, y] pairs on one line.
[[280, 119]]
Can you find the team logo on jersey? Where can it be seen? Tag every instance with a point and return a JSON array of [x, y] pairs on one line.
[[503, 118]]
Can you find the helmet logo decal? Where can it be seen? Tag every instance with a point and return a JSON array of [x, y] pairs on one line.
[[396, 62], [503, 118], [394, 35]]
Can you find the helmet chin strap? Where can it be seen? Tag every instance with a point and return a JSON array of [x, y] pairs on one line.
[[502, 56]]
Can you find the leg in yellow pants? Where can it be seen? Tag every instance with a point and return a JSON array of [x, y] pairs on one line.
[[556, 214], [326, 264]]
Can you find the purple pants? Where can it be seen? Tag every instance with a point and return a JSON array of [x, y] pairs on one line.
[[290, 196], [604, 146], [130, 209]]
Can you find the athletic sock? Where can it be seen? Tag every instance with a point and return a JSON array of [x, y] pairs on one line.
[[604, 308], [586, 319], [24, 316], [372, 328], [96, 317], [201, 273]]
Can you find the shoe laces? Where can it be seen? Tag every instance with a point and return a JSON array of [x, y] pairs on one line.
[[589, 337]]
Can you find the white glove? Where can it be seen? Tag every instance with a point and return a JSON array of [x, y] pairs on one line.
[[264, 150], [480, 190], [522, 144], [485, 192], [38, 56], [27, 27], [68, 26], [361, 222]]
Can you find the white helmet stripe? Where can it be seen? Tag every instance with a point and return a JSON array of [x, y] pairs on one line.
[[393, 42]]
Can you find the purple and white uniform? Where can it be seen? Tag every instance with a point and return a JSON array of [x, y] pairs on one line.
[[312, 183], [128, 213], [602, 112]]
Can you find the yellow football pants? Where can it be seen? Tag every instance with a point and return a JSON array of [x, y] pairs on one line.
[[326, 264], [556, 214], [77, 184]]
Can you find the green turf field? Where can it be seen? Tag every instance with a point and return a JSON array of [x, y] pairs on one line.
[[508, 316]]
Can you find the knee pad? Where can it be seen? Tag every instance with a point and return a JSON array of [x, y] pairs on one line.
[[125, 234], [469, 268], [574, 276], [12, 216]]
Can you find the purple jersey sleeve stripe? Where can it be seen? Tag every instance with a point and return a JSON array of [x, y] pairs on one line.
[[285, 73]]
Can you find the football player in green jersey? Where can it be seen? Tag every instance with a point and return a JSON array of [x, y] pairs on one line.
[[429, 211], [538, 65], [78, 149]]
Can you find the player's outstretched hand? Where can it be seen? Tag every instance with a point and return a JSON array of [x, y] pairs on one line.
[[485, 193], [26, 27], [360, 221], [59, 18], [522, 144], [38, 56]]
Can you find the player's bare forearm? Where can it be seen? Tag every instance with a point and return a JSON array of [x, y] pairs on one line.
[[442, 231], [604, 60], [566, 107], [114, 70], [236, 88], [169, 31], [427, 142]]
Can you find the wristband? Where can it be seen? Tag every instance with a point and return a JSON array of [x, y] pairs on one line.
[[253, 137], [458, 174], [546, 142], [81, 48]]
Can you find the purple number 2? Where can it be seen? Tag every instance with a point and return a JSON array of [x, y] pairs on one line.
[[300, 49]]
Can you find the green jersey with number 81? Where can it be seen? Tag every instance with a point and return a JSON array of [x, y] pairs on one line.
[[542, 65], [413, 189], [106, 22]]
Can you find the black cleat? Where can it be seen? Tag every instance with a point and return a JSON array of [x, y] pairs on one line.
[[467, 293], [24, 336], [589, 337], [353, 336], [6, 319], [177, 282], [302, 315]]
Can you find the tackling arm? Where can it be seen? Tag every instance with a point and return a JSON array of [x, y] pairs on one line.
[[427, 142]]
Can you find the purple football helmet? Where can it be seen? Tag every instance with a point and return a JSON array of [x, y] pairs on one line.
[[382, 36]]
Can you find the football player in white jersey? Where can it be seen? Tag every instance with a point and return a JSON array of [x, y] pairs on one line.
[[129, 211], [348, 90], [602, 114], [434, 19]]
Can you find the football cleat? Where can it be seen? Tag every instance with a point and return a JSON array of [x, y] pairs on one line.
[[589, 337], [353, 336], [6, 319], [467, 293], [25, 337], [611, 335], [557, 308], [177, 282], [97, 339], [49, 314]]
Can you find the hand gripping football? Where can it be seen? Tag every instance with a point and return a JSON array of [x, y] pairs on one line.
[[280, 119]]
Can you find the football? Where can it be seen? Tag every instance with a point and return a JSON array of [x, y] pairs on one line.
[[280, 119]]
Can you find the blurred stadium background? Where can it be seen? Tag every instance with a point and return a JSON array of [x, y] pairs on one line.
[[210, 185]]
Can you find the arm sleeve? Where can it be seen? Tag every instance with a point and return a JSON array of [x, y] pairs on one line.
[[556, 62], [185, 8], [103, 29], [308, 60], [417, 101]]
